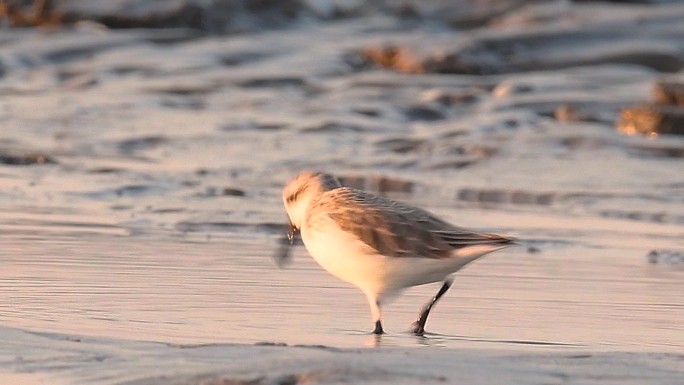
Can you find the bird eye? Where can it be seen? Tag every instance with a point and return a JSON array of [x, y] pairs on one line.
[[292, 197]]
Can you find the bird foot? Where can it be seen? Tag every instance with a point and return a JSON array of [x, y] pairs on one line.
[[418, 329], [378, 328]]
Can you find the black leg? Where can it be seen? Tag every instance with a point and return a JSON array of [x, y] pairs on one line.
[[378, 328], [418, 327]]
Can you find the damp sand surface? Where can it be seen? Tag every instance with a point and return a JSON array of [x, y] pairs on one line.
[[140, 179], [86, 303]]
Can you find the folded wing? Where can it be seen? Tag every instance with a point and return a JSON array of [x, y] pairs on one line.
[[396, 229]]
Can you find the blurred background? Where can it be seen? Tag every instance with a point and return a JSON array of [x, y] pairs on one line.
[[144, 145]]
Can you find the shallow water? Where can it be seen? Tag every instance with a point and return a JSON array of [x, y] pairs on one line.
[[153, 208], [215, 287]]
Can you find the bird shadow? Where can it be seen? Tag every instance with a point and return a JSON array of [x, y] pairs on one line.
[[437, 339], [445, 340]]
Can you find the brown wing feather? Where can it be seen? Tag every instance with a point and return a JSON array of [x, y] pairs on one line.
[[396, 229]]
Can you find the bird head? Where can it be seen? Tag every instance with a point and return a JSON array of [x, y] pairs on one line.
[[302, 191]]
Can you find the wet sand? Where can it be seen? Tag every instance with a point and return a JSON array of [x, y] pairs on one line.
[[94, 308], [86, 360], [140, 178], [228, 290]]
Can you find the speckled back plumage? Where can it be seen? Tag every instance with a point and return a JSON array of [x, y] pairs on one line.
[[395, 229]]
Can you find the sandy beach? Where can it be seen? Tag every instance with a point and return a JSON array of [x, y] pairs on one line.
[[144, 147], [85, 360]]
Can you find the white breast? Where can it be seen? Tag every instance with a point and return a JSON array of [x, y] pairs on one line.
[[346, 257]]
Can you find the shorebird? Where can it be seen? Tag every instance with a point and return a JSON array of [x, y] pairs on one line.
[[380, 245]]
